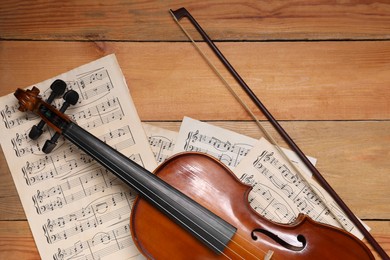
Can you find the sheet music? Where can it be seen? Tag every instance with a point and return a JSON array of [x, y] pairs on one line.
[[279, 194], [274, 189], [161, 141], [225, 145], [75, 208]]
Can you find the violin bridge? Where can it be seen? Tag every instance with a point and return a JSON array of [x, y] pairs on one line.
[[269, 254]]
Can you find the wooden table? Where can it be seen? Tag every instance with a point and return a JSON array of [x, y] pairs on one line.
[[321, 68]]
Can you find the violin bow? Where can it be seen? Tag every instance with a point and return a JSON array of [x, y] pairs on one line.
[[182, 12]]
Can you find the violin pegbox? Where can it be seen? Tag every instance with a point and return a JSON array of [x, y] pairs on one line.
[[71, 97], [30, 100], [58, 88]]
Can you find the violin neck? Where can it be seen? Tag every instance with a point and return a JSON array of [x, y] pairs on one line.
[[203, 224]]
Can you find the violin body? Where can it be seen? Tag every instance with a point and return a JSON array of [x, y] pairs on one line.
[[195, 207], [214, 186]]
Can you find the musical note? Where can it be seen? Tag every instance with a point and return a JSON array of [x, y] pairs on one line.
[[290, 194], [99, 245], [70, 229], [12, 119], [63, 162], [225, 145], [162, 141], [280, 194], [75, 207]]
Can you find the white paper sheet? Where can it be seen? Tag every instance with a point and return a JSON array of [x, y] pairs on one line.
[[280, 195], [272, 195], [75, 208], [161, 141], [227, 146]]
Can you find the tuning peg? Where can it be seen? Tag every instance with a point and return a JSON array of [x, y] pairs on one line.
[[71, 97], [58, 88]]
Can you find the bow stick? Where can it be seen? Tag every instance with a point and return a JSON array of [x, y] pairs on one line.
[[182, 12]]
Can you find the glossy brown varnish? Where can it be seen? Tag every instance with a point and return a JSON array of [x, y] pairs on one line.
[[215, 187]]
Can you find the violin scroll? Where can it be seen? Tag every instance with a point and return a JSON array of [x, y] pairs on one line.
[[197, 203], [58, 88], [30, 100]]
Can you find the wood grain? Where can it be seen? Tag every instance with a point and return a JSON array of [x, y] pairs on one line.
[[296, 81], [224, 20], [322, 67], [16, 241], [352, 171], [20, 245]]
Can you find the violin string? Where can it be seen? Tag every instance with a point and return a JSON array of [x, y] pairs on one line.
[[268, 254], [190, 220], [144, 194], [87, 147], [262, 128]]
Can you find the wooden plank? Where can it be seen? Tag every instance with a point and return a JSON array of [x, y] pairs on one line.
[[380, 230], [280, 48], [223, 20], [10, 205], [352, 156], [296, 81], [16, 240]]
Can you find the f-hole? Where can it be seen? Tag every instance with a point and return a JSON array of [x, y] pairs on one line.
[[300, 245]]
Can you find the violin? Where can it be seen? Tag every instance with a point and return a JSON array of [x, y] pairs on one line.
[[192, 206]]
